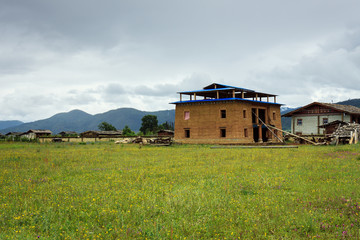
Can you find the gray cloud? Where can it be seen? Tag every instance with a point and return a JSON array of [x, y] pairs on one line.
[[79, 98], [159, 90], [195, 80], [114, 89], [98, 56], [329, 73]]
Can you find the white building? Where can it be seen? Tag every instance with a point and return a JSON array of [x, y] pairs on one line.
[[306, 120]]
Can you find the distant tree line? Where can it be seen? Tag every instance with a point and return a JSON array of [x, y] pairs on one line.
[[104, 126], [149, 126]]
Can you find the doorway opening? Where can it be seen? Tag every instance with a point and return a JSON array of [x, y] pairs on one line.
[[264, 132], [256, 133]]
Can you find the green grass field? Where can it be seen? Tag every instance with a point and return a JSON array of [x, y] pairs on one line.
[[108, 191]]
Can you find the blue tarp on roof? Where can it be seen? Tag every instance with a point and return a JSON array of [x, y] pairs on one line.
[[224, 87], [223, 99], [207, 90], [245, 89]]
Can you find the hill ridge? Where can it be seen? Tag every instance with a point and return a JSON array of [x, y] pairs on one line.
[[80, 121]]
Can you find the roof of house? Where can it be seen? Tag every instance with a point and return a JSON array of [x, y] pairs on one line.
[[221, 92], [338, 107], [103, 132], [344, 108], [38, 131], [67, 132], [164, 130], [13, 133], [336, 122]]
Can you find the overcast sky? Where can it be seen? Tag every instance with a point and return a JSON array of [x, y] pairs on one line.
[[56, 56]]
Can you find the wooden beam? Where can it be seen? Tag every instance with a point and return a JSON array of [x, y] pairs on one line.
[[352, 137], [356, 136], [233, 93], [296, 136], [260, 146], [269, 129]]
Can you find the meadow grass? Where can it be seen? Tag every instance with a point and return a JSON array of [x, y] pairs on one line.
[[108, 191]]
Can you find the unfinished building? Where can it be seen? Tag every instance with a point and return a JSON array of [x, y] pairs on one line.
[[225, 114]]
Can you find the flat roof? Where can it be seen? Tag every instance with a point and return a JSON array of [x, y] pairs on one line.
[[224, 99], [225, 89]]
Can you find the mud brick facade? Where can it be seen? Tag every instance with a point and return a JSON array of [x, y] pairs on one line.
[[226, 114]]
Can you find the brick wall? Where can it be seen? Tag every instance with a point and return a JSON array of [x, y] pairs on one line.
[[205, 121]]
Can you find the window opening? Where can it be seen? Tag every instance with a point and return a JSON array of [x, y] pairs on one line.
[[223, 113], [299, 122], [262, 115], [186, 115]]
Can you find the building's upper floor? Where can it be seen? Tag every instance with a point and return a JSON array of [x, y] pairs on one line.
[[221, 92]]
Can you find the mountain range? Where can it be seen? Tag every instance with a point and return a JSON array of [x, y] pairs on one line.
[[352, 102], [80, 121], [8, 124]]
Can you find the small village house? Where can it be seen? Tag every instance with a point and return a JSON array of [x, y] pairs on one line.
[[220, 113], [165, 133], [100, 134], [68, 134], [312, 118], [33, 134], [13, 135]]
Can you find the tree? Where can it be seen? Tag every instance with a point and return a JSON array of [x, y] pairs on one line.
[[127, 131], [104, 126], [166, 126], [149, 124]]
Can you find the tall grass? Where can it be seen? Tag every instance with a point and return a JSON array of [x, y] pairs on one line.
[[108, 191]]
